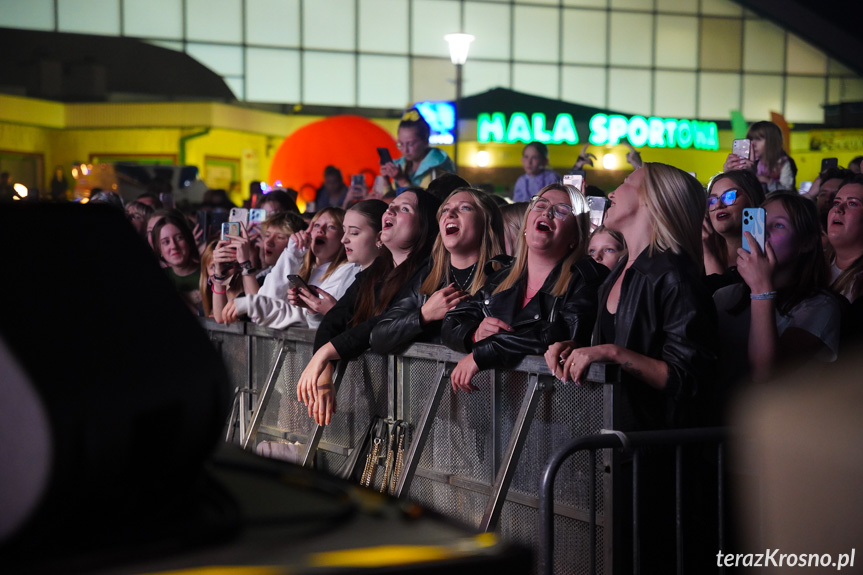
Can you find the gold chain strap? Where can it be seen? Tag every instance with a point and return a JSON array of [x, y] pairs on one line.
[[389, 464], [371, 463], [400, 461]]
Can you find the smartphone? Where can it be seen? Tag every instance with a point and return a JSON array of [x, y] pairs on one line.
[[574, 180], [805, 187], [203, 219], [358, 180], [167, 200], [230, 229], [753, 222], [298, 282], [828, 163], [597, 207], [384, 155], [256, 216], [215, 219], [741, 148], [239, 215]]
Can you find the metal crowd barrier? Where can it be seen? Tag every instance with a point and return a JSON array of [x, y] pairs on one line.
[[476, 458]]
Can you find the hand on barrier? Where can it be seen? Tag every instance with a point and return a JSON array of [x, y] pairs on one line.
[[461, 376], [441, 302], [490, 326], [556, 357], [325, 402], [229, 313], [308, 382], [578, 361]]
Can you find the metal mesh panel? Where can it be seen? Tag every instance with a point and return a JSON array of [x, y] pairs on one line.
[[232, 348], [455, 502]]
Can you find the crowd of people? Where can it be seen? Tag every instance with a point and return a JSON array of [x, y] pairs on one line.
[[669, 285]]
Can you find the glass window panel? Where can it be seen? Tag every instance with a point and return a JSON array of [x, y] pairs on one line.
[[89, 17], [432, 79], [631, 39], [431, 21], [676, 41], [720, 8], [763, 47], [584, 36], [834, 67], [804, 58], [678, 6], [273, 23], [721, 44], [178, 46], [587, 3], [337, 86], [153, 18], [272, 75], [852, 90], [236, 85], [383, 81], [31, 15], [323, 29], [834, 90], [223, 60], [633, 4], [481, 77], [537, 79], [674, 94], [383, 26], [202, 26], [629, 91], [490, 24], [761, 95], [584, 85], [718, 94], [803, 99], [536, 34]]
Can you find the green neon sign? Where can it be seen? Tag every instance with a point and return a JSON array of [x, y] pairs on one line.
[[494, 128], [653, 132]]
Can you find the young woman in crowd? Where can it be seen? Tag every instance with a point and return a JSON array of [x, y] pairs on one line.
[[606, 246], [214, 293], [174, 245], [547, 293], [408, 234], [534, 160], [727, 195], [420, 163], [782, 313], [138, 214], [845, 234], [774, 168], [470, 234], [318, 257]]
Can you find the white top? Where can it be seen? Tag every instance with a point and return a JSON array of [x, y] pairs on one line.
[[270, 306]]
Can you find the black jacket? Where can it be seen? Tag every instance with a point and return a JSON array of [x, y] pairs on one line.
[[350, 341], [665, 312], [544, 320], [400, 325]]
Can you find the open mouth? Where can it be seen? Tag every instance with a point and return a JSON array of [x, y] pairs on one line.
[[388, 224], [542, 226], [451, 229], [721, 215], [319, 241]]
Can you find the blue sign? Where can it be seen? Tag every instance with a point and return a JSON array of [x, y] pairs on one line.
[[441, 119]]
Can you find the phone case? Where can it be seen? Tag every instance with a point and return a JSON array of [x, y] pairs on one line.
[[753, 222], [574, 180], [740, 148], [230, 229], [384, 155], [257, 215], [239, 215]]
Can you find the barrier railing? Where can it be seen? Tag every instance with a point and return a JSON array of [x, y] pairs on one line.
[[474, 457]]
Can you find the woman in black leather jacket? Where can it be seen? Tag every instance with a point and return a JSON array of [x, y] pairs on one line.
[[547, 292], [471, 234]]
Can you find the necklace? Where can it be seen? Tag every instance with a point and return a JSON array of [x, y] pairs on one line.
[[455, 272]]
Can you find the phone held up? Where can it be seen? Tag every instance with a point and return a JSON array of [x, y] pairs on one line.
[[384, 155], [741, 148], [753, 222], [230, 229], [297, 282], [828, 163]]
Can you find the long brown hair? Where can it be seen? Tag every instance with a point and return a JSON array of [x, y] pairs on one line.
[[846, 281], [491, 244], [338, 215], [772, 135], [580, 212]]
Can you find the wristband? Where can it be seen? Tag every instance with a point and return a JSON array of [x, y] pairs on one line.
[[765, 295], [246, 265], [250, 271]]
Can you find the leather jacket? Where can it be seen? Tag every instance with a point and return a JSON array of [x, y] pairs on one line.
[[544, 320], [665, 312], [400, 325]]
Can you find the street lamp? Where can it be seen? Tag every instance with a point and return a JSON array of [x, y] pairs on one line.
[[459, 44]]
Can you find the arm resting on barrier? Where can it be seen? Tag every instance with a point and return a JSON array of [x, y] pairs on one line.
[[653, 372]]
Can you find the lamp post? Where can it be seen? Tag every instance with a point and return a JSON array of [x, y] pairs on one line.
[[459, 44]]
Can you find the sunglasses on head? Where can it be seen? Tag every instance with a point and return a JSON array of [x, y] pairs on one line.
[[727, 198]]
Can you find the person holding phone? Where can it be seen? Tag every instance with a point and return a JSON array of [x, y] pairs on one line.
[[420, 163], [775, 169], [318, 257], [781, 315]]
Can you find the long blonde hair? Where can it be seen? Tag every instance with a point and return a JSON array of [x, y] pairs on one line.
[[338, 215], [580, 212], [676, 202], [491, 245]]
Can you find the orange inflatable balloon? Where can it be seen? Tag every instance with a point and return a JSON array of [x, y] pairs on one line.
[[347, 142]]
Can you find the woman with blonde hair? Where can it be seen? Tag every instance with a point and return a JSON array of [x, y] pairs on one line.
[[544, 294], [471, 234]]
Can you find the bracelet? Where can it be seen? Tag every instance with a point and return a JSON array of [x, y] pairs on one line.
[[250, 271], [246, 265], [213, 289], [765, 295]]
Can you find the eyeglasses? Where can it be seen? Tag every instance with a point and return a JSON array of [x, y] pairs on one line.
[[727, 198], [540, 204]]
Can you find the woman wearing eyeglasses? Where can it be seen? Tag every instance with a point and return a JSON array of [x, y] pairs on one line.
[[420, 163], [545, 294], [727, 195]]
